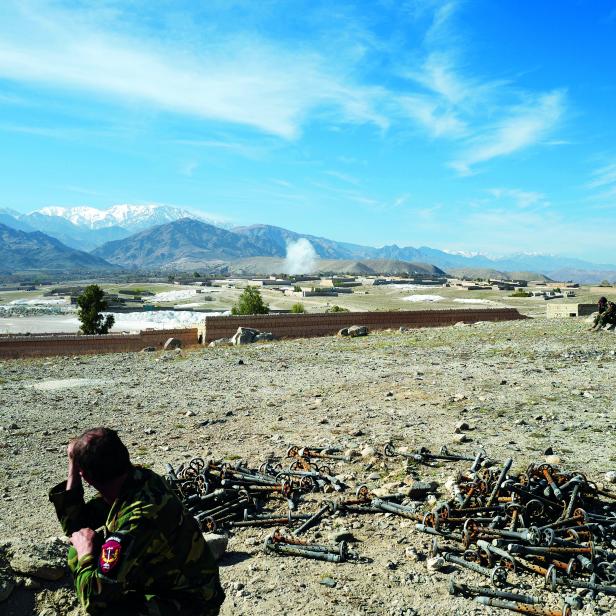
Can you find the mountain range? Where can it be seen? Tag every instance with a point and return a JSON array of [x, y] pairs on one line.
[[86, 228], [165, 237], [22, 250]]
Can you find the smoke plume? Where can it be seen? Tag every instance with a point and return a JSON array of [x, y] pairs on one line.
[[301, 257]]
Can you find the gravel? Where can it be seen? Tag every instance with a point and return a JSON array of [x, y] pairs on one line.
[[521, 386]]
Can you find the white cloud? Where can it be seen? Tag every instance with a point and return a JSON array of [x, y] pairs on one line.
[[240, 80], [521, 198], [526, 126], [604, 176], [439, 122]]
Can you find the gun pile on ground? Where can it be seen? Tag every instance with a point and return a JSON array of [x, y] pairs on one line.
[[503, 527]]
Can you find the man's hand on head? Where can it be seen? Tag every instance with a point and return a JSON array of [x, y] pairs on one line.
[[84, 541]]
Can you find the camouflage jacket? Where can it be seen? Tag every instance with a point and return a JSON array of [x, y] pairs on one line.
[[153, 558]]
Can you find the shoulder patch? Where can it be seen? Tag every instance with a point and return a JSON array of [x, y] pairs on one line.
[[110, 554]]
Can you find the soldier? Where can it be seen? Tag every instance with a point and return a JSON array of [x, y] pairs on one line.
[[150, 558], [607, 317], [601, 308]]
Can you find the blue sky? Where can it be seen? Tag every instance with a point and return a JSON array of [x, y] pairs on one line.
[[476, 126]]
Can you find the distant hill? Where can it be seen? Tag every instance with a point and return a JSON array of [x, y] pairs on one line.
[[273, 241], [379, 266], [478, 272], [266, 266], [22, 250], [182, 244]]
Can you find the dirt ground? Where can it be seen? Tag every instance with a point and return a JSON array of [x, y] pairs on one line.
[[521, 386]]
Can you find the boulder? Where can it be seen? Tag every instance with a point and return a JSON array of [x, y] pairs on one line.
[[357, 330], [264, 337], [244, 335], [343, 332], [217, 544], [610, 476], [172, 344], [44, 560], [220, 342]]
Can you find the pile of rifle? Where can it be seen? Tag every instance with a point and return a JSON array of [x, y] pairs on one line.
[[499, 525]]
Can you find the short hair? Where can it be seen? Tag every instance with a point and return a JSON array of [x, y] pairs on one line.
[[101, 455]]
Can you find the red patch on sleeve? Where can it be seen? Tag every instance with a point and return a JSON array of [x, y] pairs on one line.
[[110, 555]]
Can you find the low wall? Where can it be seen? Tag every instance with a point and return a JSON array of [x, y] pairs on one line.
[[323, 324], [14, 347]]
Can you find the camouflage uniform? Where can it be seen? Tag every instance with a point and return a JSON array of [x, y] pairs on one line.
[[608, 317], [151, 559]]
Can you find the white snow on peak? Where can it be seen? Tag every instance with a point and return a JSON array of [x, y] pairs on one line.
[[127, 216]]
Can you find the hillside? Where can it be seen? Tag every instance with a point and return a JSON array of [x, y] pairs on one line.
[[181, 244], [266, 266], [273, 242], [21, 250], [486, 273]]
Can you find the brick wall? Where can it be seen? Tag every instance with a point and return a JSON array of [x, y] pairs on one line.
[[13, 347], [308, 325]]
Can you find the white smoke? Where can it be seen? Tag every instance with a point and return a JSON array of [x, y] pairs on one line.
[[301, 257]]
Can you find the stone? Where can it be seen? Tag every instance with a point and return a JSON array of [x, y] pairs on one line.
[[552, 459], [462, 426], [411, 554], [172, 344], [436, 563], [329, 582], [244, 335], [368, 452], [44, 560], [548, 452], [264, 337], [220, 342], [357, 330], [610, 476], [374, 476], [342, 534], [458, 439], [189, 414], [149, 349], [217, 544], [343, 332]]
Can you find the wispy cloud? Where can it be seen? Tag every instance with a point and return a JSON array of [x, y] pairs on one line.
[[241, 80], [604, 176], [522, 199], [603, 187], [344, 177], [527, 125]]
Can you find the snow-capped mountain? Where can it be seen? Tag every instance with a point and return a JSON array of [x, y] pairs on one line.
[[86, 228], [127, 216]]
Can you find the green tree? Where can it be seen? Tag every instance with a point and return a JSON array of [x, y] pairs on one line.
[[91, 305], [196, 275], [298, 308], [250, 302], [336, 308]]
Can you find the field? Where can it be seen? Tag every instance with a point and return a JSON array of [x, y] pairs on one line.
[[521, 386], [30, 311]]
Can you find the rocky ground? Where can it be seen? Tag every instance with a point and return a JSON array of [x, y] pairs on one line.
[[520, 386]]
